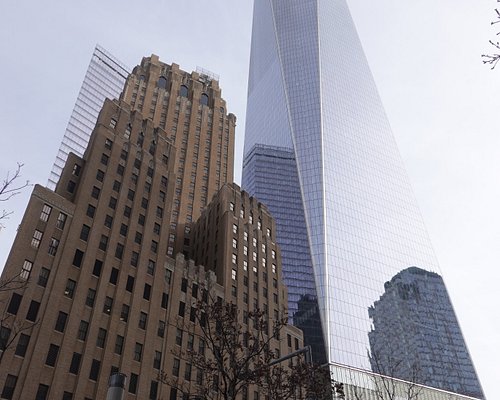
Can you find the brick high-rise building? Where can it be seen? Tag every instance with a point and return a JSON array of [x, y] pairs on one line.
[[191, 111], [96, 290]]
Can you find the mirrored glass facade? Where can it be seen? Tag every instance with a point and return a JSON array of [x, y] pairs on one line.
[[105, 78], [311, 95]]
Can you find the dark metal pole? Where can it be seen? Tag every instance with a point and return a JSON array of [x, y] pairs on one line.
[[306, 350]]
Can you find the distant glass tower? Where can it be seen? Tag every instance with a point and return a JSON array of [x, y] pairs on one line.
[[105, 78], [416, 336], [311, 96]]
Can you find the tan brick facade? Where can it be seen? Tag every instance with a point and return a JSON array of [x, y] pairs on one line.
[[102, 293]]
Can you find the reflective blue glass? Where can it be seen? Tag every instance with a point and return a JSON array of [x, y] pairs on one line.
[[311, 94]]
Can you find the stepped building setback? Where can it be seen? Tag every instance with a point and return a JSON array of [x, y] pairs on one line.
[[96, 288]]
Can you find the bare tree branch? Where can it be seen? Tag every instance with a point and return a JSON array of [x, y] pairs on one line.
[[492, 59], [10, 187]]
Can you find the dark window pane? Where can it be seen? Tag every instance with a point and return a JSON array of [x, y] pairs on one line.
[[78, 257], [113, 276], [52, 355], [42, 392], [33, 311], [75, 363], [15, 302], [61, 321], [94, 370], [97, 268], [22, 345], [9, 387]]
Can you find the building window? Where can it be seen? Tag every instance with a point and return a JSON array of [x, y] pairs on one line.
[[82, 330], [231, 206], [235, 244], [75, 363], [234, 258], [9, 387], [119, 251], [127, 211], [103, 243], [112, 203], [15, 302], [154, 246], [46, 210], [104, 159], [274, 268], [53, 245], [84, 233], [71, 187], [132, 387], [94, 370], [61, 321], [153, 390], [164, 300], [119, 344], [101, 338], [138, 237], [182, 308], [130, 284], [113, 276], [143, 319], [52, 355], [112, 124], [70, 288], [161, 329], [233, 274], [97, 268], [183, 91], [99, 175], [176, 367], [146, 294], [108, 221], [159, 212], [138, 352], [89, 301], [78, 258], [120, 170], [108, 305], [61, 220], [273, 254], [157, 360], [151, 267], [26, 270], [116, 186], [22, 345], [4, 337], [42, 392], [141, 219], [37, 237], [67, 396], [134, 259], [178, 337], [124, 313], [95, 192]]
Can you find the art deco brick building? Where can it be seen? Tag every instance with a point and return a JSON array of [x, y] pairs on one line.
[[96, 289], [191, 111]]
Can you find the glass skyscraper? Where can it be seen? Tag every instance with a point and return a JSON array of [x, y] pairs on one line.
[[319, 151], [105, 78]]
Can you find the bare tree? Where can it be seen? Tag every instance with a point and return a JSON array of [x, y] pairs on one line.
[[10, 187], [238, 357], [10, 327], [493, 58]]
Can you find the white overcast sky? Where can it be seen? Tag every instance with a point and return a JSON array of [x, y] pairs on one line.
[[442, 102]]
